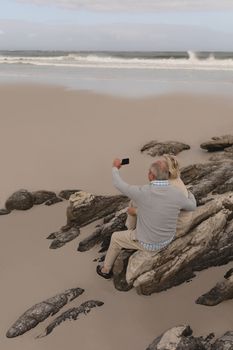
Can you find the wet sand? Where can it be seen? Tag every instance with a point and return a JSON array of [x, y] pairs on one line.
[[55, 139]]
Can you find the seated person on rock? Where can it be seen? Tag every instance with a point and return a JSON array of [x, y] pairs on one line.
[[174, 179], [158, 206]]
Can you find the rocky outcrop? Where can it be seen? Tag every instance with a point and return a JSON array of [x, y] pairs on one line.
[[39, 312], [42, 196], [85, 207], [24, 200], [61, 237], [141, 262], [218, 143], [222, 291], [181, 338], [20, 200], [211, 177], [177, 338], [72, 314], [155, 148], [102, 234], [208, 244]]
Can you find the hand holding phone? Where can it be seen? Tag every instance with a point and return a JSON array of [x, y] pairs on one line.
[[125, 161]]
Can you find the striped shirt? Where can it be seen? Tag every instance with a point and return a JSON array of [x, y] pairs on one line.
[[156, 246]]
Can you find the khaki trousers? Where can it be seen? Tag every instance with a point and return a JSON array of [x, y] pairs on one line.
[[119, 240]]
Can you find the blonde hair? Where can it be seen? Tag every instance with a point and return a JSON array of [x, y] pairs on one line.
[[173, 166]]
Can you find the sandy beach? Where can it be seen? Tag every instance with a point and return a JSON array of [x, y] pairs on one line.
[[56, 139]]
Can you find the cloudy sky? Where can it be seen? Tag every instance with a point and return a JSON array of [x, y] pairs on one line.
[[116, 24]]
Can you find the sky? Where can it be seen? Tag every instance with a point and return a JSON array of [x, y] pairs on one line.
[[150, 25]]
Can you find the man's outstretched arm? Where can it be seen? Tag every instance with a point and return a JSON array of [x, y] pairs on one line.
[[133, 192]]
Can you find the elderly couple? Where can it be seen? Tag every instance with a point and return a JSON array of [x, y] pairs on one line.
[[153, 218]]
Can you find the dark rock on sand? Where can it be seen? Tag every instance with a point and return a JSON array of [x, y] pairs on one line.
[[155, 148], [224, 343], [4, 211], [53, 200], [85, 208], [218, 143], [177, 338], [210, 177], [119, 270], [65, 194], [222, 291], [73, 314], [60, 238], [42, 196], [20, 200], [103, 232], [39, 312]]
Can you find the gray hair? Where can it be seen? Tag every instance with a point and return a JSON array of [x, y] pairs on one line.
[[160, 169]]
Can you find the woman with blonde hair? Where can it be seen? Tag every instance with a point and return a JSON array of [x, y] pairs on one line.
[[174, 180]]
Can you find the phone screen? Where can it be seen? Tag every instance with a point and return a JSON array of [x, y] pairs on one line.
[[125, 161]]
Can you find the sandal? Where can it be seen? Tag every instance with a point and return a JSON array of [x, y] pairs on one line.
[[107, 276]]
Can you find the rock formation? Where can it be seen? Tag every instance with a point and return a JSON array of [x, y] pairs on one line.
[[155, 148], [218, 143], [39, 312], [20, 200], [72, 314], [181, 338], [223, 290], [62, 237], [177, 338], [85, 208], [102, 234]]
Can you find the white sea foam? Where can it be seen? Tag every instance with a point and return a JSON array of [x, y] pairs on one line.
[[103, 61]]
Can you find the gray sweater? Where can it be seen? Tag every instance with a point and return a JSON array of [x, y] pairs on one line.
[[158, 208]]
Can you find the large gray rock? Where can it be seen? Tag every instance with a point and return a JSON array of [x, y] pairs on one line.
[[39, 312], [223, 290], [210, 177], [218, 143], [177, 338], [155, 148], [142, 261], [20, 200], [208, 244], [85, 207]]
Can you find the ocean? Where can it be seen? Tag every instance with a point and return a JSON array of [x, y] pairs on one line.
[[122, 73]]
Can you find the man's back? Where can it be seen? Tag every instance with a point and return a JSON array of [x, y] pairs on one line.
[[159, 205], [158, 210]]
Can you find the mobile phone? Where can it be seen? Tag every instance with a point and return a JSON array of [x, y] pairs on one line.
[[125, 161]]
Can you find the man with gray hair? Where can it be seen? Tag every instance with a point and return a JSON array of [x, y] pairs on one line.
[[158, 206]]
